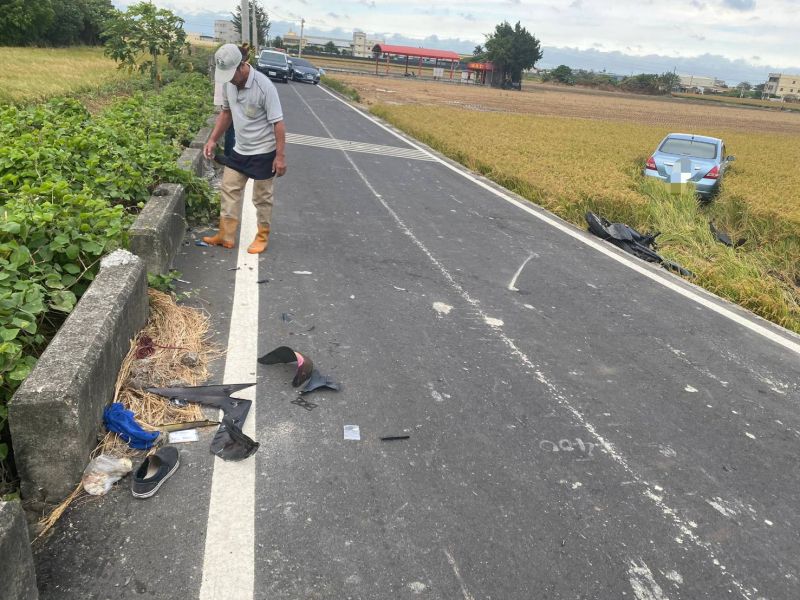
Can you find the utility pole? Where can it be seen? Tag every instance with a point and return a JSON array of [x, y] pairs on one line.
[[254, 32], [245, 21], [300, 48]]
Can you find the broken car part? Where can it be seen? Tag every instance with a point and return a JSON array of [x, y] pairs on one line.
[[229, 443]]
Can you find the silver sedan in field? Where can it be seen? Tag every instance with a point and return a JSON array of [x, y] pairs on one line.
[[683, 158]]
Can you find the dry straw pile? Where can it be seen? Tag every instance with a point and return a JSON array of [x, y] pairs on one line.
[[173, 349]]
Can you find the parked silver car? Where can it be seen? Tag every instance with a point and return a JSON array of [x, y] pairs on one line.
[[683, 158]]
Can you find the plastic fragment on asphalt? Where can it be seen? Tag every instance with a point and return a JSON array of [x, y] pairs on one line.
[[284, 354], [352, 432], [201, 243], [181, 437], [318, 381], [391, 438]]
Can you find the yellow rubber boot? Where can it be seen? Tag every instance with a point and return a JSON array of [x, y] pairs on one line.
[[226, 236], [262, 239]]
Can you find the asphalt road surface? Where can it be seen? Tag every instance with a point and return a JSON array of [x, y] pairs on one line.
[[581, 424]]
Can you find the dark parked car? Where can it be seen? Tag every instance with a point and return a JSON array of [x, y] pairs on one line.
[[275, 65], [685, 158], [304, 70]]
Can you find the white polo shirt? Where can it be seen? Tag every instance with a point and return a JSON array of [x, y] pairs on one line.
[[255, 110]]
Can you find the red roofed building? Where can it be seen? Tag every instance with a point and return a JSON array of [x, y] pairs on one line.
[[388, 50]]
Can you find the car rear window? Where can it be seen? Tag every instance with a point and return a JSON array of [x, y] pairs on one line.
[[299, 62], [689, 148], [275, 58]]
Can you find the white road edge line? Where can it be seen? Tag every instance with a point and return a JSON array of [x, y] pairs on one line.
[[668, 513], [512, 287], [231, 511], [584, 239]]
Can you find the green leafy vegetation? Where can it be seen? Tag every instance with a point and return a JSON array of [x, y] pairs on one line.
[[70, 186], [52, 22], [342, 88]]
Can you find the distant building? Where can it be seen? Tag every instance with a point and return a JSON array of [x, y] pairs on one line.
[[225, 32], [362, 45], [700, 84], [199, 38], [291, 39], [782, 85]]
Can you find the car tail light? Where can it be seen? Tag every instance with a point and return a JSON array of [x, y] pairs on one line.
[[713, 173], [651, 164]]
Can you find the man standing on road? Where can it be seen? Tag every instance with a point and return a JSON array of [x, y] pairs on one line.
[[250, 101]]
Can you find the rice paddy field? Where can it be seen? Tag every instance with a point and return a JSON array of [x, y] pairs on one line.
[[577, 150], [34, 74]]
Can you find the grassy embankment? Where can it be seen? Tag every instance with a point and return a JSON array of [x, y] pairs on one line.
[[342, 88], [574, 165]]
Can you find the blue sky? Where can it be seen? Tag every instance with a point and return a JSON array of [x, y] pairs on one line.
[[749, 33]]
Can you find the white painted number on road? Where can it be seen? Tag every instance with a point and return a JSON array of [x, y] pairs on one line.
[[567, 446]]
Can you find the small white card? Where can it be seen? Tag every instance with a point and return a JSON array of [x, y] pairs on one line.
[[352, 432], [187, 435]]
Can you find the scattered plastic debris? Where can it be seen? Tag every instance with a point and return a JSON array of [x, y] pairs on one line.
[[202, 243], [303, 403], [183, 436], [391, 438], [631, 241], [302, 272], [100, 474], [265, 280], [230, 443], [234, 268], [318, 381], [352, 432], [723, 237], [284, 354]]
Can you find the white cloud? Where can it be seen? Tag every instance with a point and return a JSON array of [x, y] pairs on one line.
[[739, 29]]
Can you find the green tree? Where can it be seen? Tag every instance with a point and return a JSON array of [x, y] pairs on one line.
[[331, 48], [512, 49], [24, 23], [478, 51], [145, 30], [277, 42], [561, 74], [95, 15], [262, 21], [667, 81]]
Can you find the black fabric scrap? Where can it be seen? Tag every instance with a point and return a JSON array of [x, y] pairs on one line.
[[284, 354], [256, 166], [391, 438], [628, 239], [229, 443]]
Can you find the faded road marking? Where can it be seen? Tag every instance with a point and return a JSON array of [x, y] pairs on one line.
[[457, 573]]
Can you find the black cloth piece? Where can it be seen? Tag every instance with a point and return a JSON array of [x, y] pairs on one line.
[[317, 381], [284, 354], [256, 166], [627, 238]]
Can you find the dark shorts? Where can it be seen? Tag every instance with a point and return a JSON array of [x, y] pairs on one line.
[[256, 166]]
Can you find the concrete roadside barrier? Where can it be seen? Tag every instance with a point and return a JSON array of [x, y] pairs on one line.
[[56, 413], [17, 575], [157, 233]]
